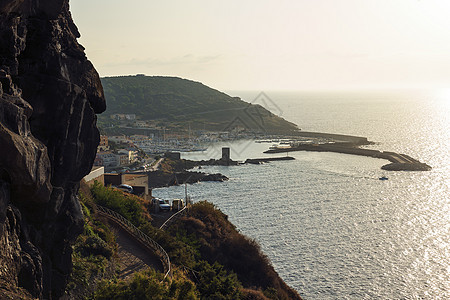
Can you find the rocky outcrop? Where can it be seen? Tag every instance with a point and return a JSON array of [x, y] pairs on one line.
[[159, 178], [213, 162], [406, 167], [49, 97], [258, 161]]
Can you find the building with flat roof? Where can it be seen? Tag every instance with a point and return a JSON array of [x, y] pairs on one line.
[[138, 181], [96, 174]]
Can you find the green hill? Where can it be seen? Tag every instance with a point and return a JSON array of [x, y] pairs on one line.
[[172, 101]]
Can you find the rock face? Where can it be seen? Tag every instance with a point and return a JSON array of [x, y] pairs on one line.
[[49, 97]]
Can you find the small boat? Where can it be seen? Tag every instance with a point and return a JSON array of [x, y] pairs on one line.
[[383, 178]]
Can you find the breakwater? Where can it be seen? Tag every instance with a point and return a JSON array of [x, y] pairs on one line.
[[257, 161], [339, 138], [399, 162]]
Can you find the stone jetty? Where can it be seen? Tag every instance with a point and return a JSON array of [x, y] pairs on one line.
[[399, 162], [258, 161]]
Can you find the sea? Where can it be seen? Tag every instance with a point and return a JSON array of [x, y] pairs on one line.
[[330, 227]]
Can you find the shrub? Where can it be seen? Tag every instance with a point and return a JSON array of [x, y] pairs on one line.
[[249, 294], [146, 285], [180, 253], [126, 205], [214, 282], [92, 245], [219, 241], [92, 250]]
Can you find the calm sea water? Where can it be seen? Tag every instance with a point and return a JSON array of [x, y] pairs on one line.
[[332, 229]]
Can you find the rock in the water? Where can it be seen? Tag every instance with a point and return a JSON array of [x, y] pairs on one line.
[[406, 167], [49, 97], [162, 179]]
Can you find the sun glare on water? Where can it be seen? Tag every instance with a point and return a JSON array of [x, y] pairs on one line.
[[443, 94], [443, 98]]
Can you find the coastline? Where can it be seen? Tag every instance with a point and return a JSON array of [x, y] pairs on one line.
[[349, 145], [336, 194]]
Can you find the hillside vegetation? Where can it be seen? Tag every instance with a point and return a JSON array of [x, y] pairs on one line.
[[180, 101], [210, 259]]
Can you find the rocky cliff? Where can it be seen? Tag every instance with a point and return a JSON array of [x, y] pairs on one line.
[[49, 97]]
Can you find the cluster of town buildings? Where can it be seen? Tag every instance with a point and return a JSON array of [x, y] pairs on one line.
[[126, 155], [153, 139], [131, 120], [121, 157]]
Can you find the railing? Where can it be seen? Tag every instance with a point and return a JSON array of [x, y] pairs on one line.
[[173, 218], [140, 236]]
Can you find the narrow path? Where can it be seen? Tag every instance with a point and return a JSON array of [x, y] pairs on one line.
[[160, 217], [155, 167], [136, 249], [133, 257]]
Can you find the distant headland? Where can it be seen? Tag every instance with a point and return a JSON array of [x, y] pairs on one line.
[[177, 105]]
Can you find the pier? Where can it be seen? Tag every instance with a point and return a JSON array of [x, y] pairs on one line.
[[399, 162], [257, 161]]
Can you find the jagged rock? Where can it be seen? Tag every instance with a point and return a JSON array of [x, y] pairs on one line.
[[216, 162], [162, 179], [406, 167], [49, 97]]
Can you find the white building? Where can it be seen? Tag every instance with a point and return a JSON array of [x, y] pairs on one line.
[[124, 159], [131, 154], [109, 159], [122, 117], [140, 124]]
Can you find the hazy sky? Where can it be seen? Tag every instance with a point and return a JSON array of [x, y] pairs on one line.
[[272, 45]]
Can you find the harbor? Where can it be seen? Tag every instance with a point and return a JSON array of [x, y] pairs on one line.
[[399, 162]]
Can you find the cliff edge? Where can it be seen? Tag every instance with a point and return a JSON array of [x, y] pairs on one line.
[[49, 97]]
